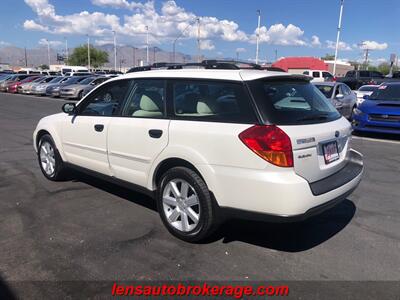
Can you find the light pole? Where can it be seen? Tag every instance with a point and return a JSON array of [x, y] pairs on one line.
[[66, 50], [198, 40], [115, 50], [147, 45], [88, 51], [258, 34], [134, 56], [338, 36], [174, 43], [48, 52]]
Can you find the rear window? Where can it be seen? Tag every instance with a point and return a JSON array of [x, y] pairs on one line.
[[214, 101], [315, 74], [327, 75], [387, 92], [327, 90], [364, 74], [292, 102]]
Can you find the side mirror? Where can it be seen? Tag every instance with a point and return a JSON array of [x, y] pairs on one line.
[[365, 97], [69, 108], [339, 96]]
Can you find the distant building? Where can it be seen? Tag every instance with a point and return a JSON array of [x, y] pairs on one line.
[[297, 65], [4, 66], [341, 67]]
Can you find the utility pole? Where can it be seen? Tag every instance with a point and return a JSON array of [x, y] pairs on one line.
[[66, 50], [276, 54], [134, 56], [174, 43], [198, 40], [88, 51], [147, 45], [26, 59], [48, 51], [338, 36], [115, 50], [258, 34], [237, 55], [154, 54]]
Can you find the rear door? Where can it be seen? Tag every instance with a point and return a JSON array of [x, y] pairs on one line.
[[140, 133]]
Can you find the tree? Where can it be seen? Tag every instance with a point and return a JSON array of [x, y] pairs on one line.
[[80, 57], [328, 57], [44, 67]]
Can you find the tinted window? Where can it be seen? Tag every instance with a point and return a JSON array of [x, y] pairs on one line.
[[315, 74], [292, 102], [327, 90], [387, 92], [146, 99], [107, 100], [375, 74], [212, 101], [364, 74], [345, 90], [73, 80], [327, 75], [350, 74], [306, 73], [87, 80], [57, 79]]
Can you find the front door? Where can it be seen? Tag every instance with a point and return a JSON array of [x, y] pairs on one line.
[[85, 133]]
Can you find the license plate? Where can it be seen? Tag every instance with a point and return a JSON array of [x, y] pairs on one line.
[[330, 151]]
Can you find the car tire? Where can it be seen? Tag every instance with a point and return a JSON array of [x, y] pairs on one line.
[[178, 211], [50, 161]]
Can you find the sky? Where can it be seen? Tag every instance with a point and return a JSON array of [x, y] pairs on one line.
[[227, 27]]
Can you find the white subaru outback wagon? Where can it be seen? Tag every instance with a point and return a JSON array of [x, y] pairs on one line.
[[207, 144]]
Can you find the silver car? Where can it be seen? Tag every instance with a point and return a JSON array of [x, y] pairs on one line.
[[75, 91], [340, 95]]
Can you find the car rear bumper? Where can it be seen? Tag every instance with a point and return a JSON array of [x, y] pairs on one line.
[[284, 194]]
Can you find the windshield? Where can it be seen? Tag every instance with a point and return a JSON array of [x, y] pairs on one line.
[[327, 90], [292, 102], [367, 88], [87, 80], [73, 80], [57, 79], [387, 92]]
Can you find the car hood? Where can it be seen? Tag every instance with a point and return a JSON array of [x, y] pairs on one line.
[[380, 107]]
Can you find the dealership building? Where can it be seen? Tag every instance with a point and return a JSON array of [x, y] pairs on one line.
[[297, 65]]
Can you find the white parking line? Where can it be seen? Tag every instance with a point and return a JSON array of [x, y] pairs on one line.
[[375, 140]]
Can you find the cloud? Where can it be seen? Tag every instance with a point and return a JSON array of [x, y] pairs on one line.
[[240, 50], [206, 45], [279, 34], [342, 45], [43, 42], [124, 4], [4, 44], [372, 45], [32, 25], [315, 42]]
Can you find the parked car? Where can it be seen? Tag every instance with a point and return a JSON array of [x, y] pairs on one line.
[[75, 91], [340, 95], [40, 89], [54, 89], [208, 145], [380, 112], [319, 75], [365, 90], [355, 79], [26, 88], [11, 80], [13, 85]]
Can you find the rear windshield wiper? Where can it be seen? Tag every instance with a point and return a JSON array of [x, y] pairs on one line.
[[314, 117]]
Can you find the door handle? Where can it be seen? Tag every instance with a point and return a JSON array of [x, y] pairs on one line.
[[155, 133], [99, 127]]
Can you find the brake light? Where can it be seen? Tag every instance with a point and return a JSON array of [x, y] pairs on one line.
[[270, 143]]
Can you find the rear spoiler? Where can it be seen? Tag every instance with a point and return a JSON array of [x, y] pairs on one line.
[[289, 77]]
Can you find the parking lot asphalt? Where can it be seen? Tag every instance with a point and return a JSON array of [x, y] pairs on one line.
[[86, 229]]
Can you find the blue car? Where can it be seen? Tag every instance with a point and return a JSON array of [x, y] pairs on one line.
[[379, 112]]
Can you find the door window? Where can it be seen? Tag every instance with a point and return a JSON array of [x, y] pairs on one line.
[[107, 100], [315, 74], [212, 101], [146, 99]]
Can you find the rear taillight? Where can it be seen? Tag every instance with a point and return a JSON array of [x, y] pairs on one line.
[[270, 143]]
